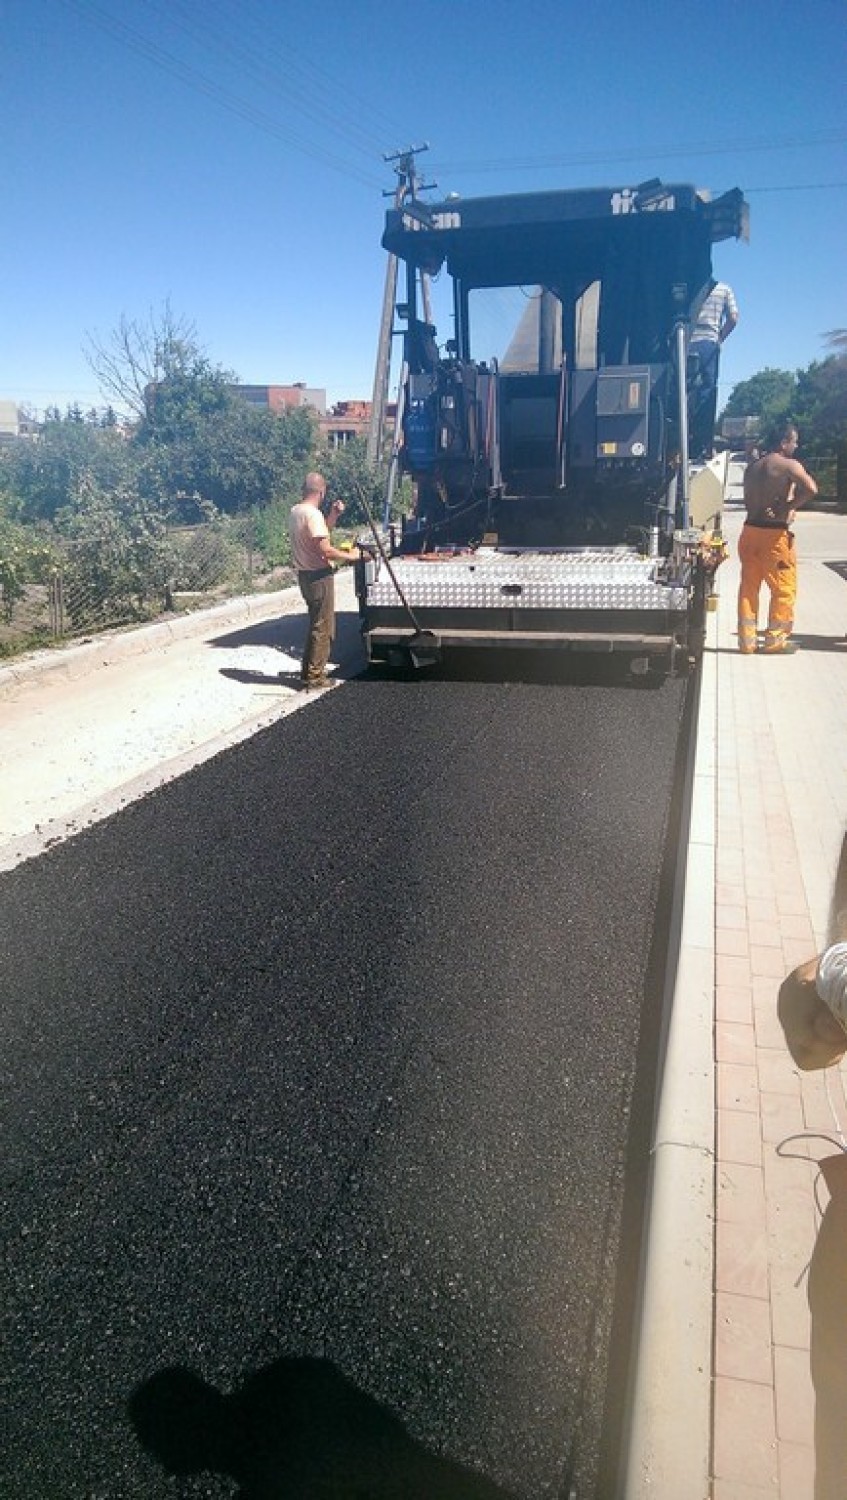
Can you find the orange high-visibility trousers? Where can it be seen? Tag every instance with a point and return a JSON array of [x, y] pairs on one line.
[[767, 556]]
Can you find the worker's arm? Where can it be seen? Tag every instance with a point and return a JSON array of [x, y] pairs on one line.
[[803, 486], [332, 554], [730, 322]]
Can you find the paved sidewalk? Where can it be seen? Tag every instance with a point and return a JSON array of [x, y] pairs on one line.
[[781, 805], [722, 1403]]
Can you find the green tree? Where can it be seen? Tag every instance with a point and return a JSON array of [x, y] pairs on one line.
[[349, 475], [200, 439], [820, 407], [43, 476], [118, 559], [138, 355], [770, 395]]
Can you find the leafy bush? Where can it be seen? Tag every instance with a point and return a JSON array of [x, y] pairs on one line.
[[272, 534], [25, 557], [349, 476], [48, 474], [118, 557]]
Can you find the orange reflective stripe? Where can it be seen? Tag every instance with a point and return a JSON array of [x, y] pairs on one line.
[[746, 633]]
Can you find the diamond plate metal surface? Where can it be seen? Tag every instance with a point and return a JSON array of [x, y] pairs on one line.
[[594, 579]]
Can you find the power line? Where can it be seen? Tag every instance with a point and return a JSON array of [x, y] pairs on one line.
[[359, 109], [198, 81], [275, 71], [644, 154], [797, 187]]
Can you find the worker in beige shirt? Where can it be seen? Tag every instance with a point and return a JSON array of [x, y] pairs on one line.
[[313, 555]]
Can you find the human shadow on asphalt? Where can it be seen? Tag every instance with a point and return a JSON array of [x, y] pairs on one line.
[[290, 679], [267, 679], [298, 1427]]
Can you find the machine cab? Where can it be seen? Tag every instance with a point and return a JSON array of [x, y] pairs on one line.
[[549, 414]]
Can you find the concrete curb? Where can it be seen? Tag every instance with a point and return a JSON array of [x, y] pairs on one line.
[[669, 1440], [78, 660]]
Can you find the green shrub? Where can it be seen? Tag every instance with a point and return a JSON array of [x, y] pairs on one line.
[[271, 532], [25, 557]]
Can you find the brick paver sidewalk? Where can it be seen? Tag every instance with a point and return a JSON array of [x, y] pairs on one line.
[[781, 820]]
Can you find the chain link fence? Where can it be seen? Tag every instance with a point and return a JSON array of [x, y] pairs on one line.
[[111, 581]]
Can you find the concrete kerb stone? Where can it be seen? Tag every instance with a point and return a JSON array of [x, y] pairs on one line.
[[668, 1450], [78, 659]]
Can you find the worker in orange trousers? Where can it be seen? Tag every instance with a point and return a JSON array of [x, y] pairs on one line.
[[774, 487]]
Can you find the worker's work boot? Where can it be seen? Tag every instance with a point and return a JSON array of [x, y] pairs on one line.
[[778, 639]]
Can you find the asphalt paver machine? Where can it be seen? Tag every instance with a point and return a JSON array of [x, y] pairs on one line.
[[547, 435]]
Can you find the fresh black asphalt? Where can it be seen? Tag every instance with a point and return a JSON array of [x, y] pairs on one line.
[[318, 1070]]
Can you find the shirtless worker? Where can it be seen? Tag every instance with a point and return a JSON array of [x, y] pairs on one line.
[[774, 488]]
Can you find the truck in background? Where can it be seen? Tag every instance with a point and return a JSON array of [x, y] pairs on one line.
[[551, 473]]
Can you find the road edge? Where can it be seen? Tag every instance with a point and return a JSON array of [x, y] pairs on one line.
[[668, 1447]]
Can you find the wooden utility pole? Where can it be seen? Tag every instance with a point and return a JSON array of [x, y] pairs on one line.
[[407, 187]]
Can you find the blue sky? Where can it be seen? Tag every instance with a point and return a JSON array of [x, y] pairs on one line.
[[226, 158]]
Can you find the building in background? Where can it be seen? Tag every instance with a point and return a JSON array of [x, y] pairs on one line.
[[338, 425], [8, 421], [346, 420], [16, 421], [279, 398]]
